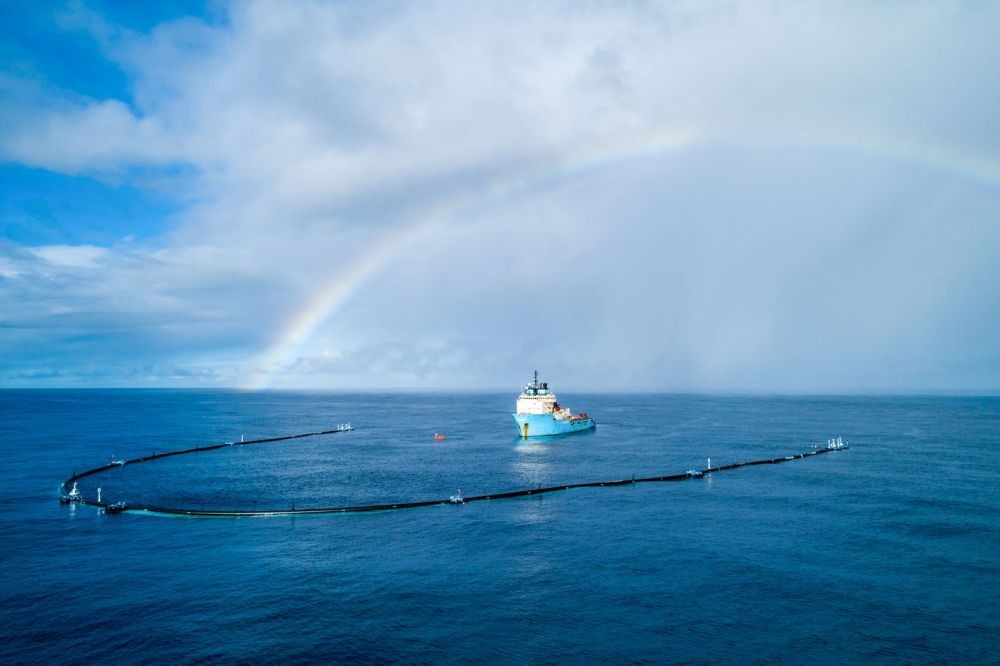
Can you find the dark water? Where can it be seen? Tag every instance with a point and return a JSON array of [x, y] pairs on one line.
[[887, 552]]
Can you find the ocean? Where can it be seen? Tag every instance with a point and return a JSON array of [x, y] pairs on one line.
[[887, 552]]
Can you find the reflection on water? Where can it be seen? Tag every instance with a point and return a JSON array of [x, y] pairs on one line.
[[532, 464], [532, 446], [534, 510]]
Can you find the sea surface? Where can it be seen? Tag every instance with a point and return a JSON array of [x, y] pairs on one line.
[[888, 552]]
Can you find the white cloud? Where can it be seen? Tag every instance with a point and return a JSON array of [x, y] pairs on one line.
[[672, 190], [77, 256], [103, 136]]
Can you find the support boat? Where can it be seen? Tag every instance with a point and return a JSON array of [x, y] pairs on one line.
[[539, 415]]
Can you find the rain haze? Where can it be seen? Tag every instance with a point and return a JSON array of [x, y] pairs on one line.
[[704, 196]]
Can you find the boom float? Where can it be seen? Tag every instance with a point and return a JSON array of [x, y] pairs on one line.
[[75, 497]]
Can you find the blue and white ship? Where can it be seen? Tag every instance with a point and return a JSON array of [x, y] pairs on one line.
[[538, 413]]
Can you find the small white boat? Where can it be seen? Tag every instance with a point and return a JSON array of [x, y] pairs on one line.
[[72, 496], [837, 443], [117, 507]]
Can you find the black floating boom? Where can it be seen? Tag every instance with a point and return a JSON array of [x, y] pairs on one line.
[[361, 508]]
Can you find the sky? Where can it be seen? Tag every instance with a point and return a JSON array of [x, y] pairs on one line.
[[759, 197]]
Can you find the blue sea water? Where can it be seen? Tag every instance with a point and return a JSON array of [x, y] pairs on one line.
[[887, 552]]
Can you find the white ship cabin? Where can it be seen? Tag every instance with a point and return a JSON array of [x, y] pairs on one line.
[[537, 399]]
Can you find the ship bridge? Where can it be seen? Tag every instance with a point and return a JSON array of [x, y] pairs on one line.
[[537, 399]]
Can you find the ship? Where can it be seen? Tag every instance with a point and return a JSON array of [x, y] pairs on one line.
[[539, 415]]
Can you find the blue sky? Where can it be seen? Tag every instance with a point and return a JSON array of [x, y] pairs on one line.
[[715, 196]]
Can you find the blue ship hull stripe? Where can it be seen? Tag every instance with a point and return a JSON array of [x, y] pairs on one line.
[[542, 425]]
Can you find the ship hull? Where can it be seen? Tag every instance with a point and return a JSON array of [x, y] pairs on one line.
[[545, 425]]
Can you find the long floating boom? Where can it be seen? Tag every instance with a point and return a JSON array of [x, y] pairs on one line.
[[361, 508]]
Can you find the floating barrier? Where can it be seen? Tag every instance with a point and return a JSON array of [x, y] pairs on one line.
[[74, 496]]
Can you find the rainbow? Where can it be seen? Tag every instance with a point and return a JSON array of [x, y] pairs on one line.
[[340, 288], [948, 159], [331, 298]]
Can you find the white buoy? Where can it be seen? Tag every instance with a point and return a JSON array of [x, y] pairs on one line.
[[241, 437], [710, 462], [98, 494]]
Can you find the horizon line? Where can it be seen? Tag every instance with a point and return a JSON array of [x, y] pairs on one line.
[[926, 393]]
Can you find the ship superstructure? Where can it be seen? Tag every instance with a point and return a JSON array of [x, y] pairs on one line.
[[539, 414]]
